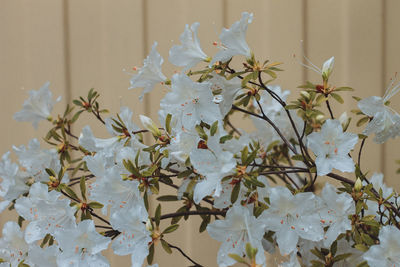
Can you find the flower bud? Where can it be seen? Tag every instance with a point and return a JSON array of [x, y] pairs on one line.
[[327, 68], [150, 125], [305, 94], [358, 185]]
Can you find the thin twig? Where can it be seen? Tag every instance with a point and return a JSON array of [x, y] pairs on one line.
[[184, 255]]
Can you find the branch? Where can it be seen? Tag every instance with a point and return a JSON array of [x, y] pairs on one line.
[[184, 255]]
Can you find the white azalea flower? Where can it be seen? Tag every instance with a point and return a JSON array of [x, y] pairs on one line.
[[45, 211], [81, 245], [35, 160], [336, 213], [134, 238], [112, 190], [13, 181], [13, 247], [292, 216], [224, 199], [191, 102], [189, 53], [182, 144], [107, 146], [150, 74], [386, 122], [234, 40], [227, 91], [237, 229], [125, 115], [326, 70], [331, 146], [387, 253], [37, 107], [43, 257], [214, 164]]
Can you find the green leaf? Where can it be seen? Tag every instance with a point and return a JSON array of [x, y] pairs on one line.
[[362, 121], [225, 138], [69, 191], [82, 184], [337, 97], [168, 123], [168, 198], [166, 246], [76, 116], [214, 128], [50, 172], [157, 215], [361, 247], [95, 205], [237, 258], [235, 192], [341, 257], [77, 102], [201, 132], [204, 224], [344, 88], [150, 257], [170, 229]]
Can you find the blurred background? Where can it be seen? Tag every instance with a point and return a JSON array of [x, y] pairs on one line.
[[83, 44]]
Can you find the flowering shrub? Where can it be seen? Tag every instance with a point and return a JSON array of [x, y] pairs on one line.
[[254, 191]]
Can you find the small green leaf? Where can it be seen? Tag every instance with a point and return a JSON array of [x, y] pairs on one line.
[[95, 205], [170, 229], [237, 258], [168, 198], [337, 97], [214, 128], [82, 184], [157, 215], [362, 121], [235, 192], [150, 257], [166, 246]]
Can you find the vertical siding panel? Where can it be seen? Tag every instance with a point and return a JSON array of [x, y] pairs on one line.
[[275, 34], [165, 22], [105, 37], [32, 48], [392, 66], [339, 28], [364, 63]]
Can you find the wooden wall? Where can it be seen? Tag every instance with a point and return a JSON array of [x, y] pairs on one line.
[[80, 44]]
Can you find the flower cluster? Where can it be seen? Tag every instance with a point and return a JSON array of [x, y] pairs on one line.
[[257, 191]]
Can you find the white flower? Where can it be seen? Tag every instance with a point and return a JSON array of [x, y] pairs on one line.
[[373, 206], [134, 238], [237, 229], [331, 146], [107, 146], [291, 217], [387, 253], [336, 213], [43, 257], [150, 74], [149, 125], [191, 102], [45, 211], [189, 53], [37, 107], [125, 115], [234, 40], [13, 182], [327, 67], [81, 245], [227, 90], [182, 144], [386, 122], [112, 190], [13, 247], [326, 70], [35, 160], [214, 164], [224, 199]]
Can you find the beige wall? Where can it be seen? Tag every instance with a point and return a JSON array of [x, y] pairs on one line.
[[79, 44]]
